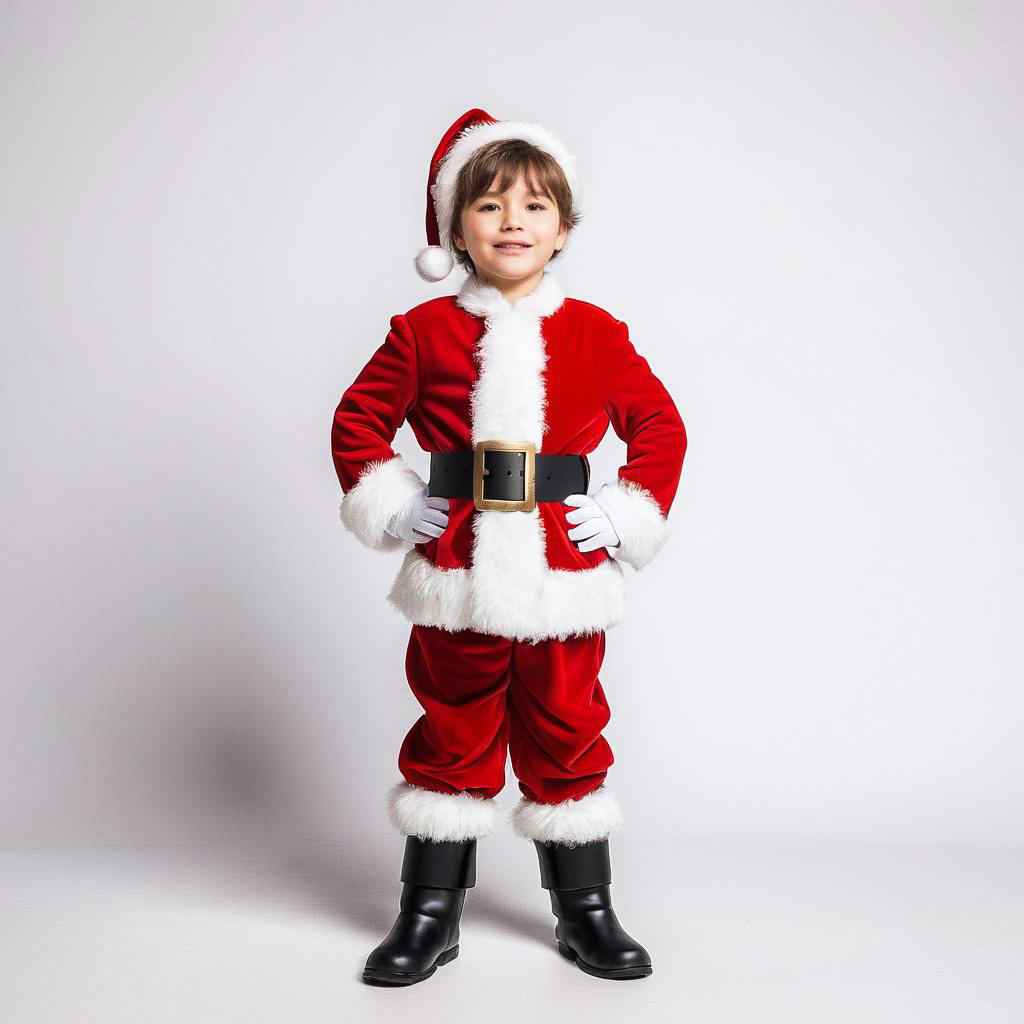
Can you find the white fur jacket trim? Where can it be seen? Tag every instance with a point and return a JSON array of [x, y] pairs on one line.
[[382, 488], [636, 518]]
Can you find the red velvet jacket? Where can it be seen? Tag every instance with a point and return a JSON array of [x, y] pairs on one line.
[[470, 367]]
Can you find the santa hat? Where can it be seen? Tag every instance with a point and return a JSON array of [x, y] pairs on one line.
[[474, 129]]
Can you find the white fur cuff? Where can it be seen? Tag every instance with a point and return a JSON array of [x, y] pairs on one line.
[[442, 817], [382, 488], [572, 822], [637, 519]]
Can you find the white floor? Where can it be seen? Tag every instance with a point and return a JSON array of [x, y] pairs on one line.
[[737, 933]]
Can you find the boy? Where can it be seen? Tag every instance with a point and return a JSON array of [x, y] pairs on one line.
[[510, 576]]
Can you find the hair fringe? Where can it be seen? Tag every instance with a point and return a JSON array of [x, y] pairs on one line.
[[506, 160]]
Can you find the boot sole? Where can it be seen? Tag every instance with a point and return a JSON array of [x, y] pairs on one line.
[[378, 976], [616, 974]]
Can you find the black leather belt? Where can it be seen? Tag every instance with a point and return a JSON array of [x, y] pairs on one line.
[[507, 475]]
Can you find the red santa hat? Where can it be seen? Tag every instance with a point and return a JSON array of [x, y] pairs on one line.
[[474, 129]]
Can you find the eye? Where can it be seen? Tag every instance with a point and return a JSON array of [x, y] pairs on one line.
[[540, 206], [486, 205]]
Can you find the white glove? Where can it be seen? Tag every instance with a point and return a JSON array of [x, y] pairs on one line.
[[419, 519], [595, 529]]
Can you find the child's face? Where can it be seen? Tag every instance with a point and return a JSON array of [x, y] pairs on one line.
[[512, 235]]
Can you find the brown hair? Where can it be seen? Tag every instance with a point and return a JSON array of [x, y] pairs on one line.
[[505, 160]]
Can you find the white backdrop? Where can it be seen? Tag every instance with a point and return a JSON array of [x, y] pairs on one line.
[[809, 216]]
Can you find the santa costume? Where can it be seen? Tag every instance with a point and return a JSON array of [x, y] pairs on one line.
[[508, 615]]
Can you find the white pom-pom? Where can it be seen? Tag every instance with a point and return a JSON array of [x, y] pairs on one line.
[[434, 263]]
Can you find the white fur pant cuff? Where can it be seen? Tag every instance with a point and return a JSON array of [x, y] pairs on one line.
[[441, 817], [572, 823]]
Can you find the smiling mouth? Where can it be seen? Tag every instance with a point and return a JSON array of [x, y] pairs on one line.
[[512, 246]]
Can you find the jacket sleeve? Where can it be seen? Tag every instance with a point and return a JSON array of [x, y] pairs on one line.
[[376, 480], [643, 415]]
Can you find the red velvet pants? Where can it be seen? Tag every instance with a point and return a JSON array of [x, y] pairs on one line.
[[483, 695]]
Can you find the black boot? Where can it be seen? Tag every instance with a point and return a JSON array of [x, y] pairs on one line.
[[425, 935], [588, 931]]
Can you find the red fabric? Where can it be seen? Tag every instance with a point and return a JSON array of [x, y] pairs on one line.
[[483, 695], [375, 405], [425, 370], [468, 119], [644, 416]]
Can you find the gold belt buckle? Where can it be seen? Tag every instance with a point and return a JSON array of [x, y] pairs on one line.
[[529, 500]]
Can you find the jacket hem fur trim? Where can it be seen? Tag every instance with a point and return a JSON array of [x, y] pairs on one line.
[[566, 602]]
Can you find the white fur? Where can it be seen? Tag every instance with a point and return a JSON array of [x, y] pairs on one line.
[[382, 488], [507, 403], [570, 603], [442, 817], [637, 519], [573, 822], [486, 301], [508, 399], [434, 263], [478, 135]]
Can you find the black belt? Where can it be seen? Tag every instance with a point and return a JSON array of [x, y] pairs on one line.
[[507, 475]]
